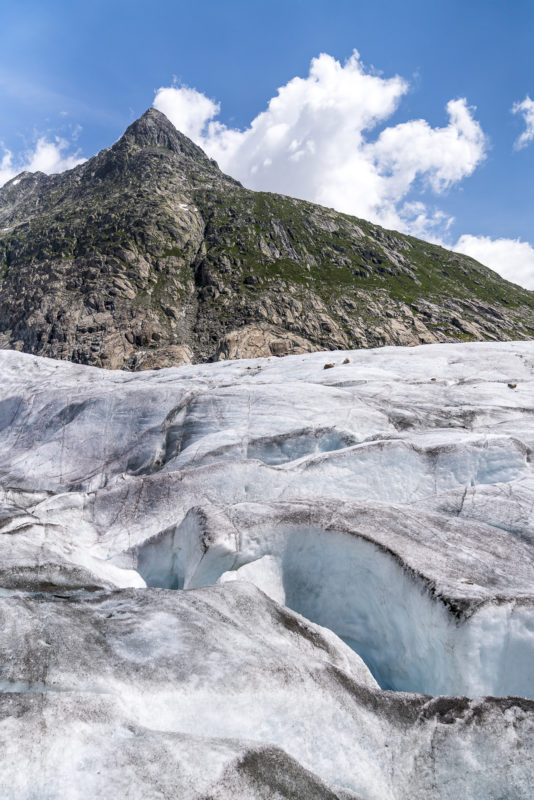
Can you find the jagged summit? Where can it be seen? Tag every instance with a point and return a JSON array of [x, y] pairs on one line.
[[154, 129], [147, 255]]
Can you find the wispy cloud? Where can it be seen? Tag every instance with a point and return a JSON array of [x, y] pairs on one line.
[[30, 92], [526, 109], [315, 141]]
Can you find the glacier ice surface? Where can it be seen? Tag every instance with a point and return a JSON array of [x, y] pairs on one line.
[[385, 504]]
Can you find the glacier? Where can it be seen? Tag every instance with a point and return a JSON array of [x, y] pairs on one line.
[[264, 578]]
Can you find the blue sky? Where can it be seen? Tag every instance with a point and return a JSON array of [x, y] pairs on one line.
[[74, 75]]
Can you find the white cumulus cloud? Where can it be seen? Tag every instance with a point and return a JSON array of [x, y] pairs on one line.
[[511, 258], [526, 108], [317, 140], [187, 109], [47, 156]]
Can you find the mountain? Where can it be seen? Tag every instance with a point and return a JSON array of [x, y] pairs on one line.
[[147, 255], [264, 580]]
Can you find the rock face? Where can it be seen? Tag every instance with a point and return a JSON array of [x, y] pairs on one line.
[[148, 256], [264, 579]]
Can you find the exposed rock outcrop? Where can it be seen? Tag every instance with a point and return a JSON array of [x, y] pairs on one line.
[[261, 341]]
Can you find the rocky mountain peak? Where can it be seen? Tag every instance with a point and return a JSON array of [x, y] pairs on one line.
[[147, 255], [154, 129]]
